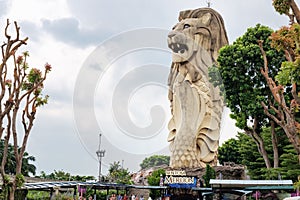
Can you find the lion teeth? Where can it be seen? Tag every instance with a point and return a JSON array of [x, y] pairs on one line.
[[178, 48]]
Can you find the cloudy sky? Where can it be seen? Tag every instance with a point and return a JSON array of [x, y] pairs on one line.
[[110, 65]]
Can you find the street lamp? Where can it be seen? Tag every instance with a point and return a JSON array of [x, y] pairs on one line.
[[100, 154]]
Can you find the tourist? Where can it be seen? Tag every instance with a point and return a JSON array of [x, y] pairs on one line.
[[119, 197], [125, 197], [132, 197], [113, 197]]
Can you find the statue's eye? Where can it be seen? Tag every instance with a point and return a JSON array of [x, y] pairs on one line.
[[186, 26]]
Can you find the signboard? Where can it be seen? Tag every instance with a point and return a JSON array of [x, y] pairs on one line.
[[179, 179]]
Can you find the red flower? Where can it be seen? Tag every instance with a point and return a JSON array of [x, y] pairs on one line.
[[48, 67], [19, 60]]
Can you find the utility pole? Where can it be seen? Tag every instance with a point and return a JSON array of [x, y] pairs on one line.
[[100, 154]]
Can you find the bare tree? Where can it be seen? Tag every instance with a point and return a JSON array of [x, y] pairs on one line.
[[20, 96], [281, 111]]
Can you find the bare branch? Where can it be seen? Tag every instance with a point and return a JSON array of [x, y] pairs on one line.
[[266, 111], [294, 93]]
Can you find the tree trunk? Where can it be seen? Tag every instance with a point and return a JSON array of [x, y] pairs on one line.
[[285, 116], [292, 134], [261, 147], [275, 145], [12, 190], [295, 10]]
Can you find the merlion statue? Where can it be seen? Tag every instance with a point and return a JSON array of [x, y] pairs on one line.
[[196, 105]]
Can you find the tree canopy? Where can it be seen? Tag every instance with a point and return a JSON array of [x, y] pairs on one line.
[[64, 176], [10, 167], [154, 179], [229, 152], [244, 85], [155, 160], [244, 151], [118, 174]]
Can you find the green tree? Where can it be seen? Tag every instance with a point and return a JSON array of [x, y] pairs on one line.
[[20, 97], [27, 167], [118, 174], [284, 6], [155, 160], [154, 180], [209, 174], [10, 167], [240, 68], [250, 157], [229, 152], [64, 176], [289, 164]]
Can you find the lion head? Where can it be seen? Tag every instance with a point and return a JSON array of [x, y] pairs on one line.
[[200, 29]]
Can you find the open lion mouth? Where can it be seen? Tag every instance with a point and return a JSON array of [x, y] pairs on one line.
[[177, 47]]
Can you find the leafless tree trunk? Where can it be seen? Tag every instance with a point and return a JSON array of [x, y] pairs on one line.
[[295, 10], [259, 143], [284, 115], [274, 145]]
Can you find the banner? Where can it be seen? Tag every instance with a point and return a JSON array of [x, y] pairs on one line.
[[179, 179]]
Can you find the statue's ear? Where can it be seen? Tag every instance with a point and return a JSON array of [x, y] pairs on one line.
[[205, 19]]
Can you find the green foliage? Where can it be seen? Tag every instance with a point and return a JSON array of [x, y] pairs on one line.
[[282, 6], [229, 152], [287, 38], [297, 183], [289, 163], [10, 167], [37, 195], [209, 174], [34, 76], [216, 79], [155, 160], [20, 195], [118, 174], [154, 180], [20, 180], [239, 66], [249, 156], [64, 176]]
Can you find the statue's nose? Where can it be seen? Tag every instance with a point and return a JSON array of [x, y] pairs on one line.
[[171, 34]]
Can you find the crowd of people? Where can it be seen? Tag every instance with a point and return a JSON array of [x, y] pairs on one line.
[[125, 197]]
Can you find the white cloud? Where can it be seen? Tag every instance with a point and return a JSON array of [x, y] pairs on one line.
[[35, 10]]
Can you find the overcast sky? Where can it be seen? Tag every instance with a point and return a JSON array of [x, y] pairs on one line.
[[110, 65]]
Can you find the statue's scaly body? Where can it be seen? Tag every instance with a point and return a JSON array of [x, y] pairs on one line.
[[196, 105]]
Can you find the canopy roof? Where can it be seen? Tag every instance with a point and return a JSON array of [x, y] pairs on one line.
[[220, 183], [75, 184]]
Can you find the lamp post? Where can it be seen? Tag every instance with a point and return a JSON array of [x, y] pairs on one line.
[[100, 154]]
